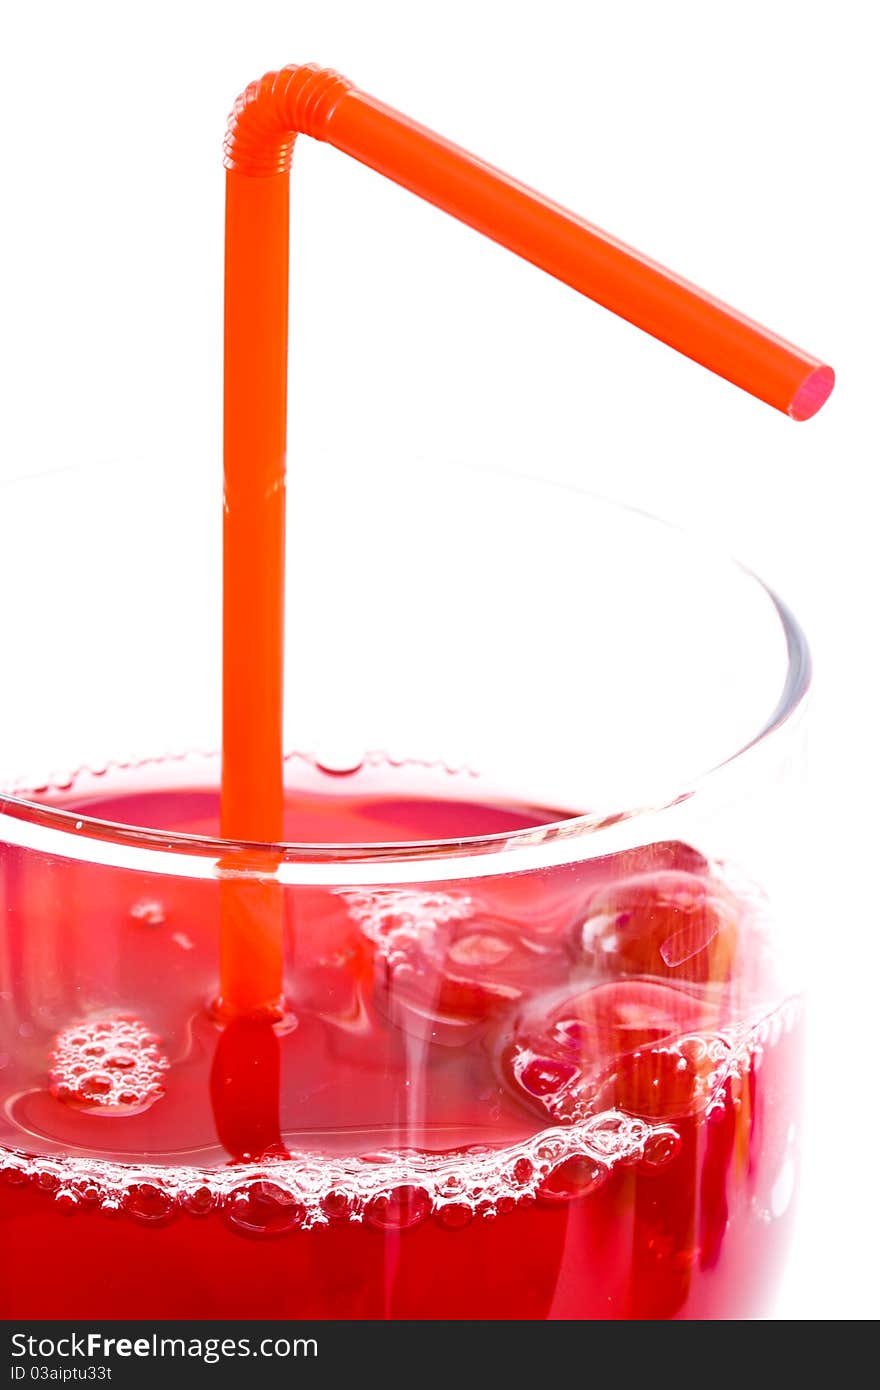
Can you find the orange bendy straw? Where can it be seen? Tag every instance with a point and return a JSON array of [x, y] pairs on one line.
[[259, 144]]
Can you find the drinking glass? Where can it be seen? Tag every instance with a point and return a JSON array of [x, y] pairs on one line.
[[542, 893]]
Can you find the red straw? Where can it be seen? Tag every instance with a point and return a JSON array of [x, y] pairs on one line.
[[320, 103], [262, 129]]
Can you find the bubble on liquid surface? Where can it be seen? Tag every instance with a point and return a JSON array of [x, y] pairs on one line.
[[340, 762], [338, 1205], [455, 1215], [149, 912], [149, 1203], [199, 1201], [399, 1209], [661, 1147], [264, 1208], [46, 1179], [574, 1177], [393, 915], [522, 1171], [397, 1190], [107, 1066]]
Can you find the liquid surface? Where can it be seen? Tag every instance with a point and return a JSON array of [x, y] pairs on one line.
[[559, 1094]]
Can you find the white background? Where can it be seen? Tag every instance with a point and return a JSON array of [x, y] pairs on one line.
[[736, 144]]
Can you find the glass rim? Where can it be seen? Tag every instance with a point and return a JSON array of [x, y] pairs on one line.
[[75, 834]]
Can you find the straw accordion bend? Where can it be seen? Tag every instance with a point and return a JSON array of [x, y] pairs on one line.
[[270, 113]]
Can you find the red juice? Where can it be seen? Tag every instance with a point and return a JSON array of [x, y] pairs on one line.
[[569, 1093]]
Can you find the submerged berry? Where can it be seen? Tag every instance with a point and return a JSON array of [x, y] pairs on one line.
[[672, 925]]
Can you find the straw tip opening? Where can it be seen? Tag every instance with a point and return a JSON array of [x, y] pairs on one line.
[[812, 393]]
